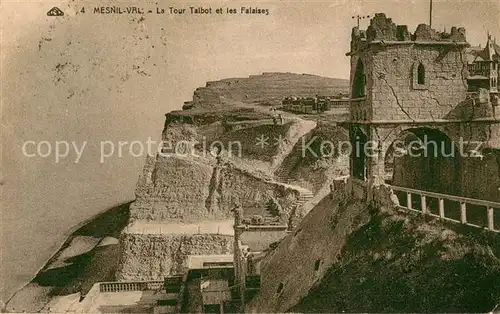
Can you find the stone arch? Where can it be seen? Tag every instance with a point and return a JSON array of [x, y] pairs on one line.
[[397, 132], [424, 158], [359, 80]]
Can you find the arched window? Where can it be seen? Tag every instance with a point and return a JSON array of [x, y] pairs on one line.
[[358, 84], [420, 74]]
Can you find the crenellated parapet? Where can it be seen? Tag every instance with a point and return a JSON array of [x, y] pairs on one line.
[[383, 29]]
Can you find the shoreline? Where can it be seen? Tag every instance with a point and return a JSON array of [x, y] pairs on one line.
[[68, 237]]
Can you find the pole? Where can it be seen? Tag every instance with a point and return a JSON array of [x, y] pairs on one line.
[[430, 14], [360, 17]]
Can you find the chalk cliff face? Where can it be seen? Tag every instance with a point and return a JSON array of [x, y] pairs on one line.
[[197, 188], [233, 113], [187, 184]]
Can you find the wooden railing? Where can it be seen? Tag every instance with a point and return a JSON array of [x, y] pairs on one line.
[[423, 203], [476, 69]]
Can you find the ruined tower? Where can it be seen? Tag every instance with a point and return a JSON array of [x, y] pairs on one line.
[[412, 83]]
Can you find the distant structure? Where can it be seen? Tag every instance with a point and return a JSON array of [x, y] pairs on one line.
[[318, 104], [413, 86], [482, 64]]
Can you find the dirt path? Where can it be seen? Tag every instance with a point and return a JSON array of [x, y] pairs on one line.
[[299, 129]]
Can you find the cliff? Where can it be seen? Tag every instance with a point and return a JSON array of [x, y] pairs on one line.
[[266, 88], [186, 185], [192, 189]]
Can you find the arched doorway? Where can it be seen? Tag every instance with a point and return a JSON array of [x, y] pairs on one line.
[[358, 142], [394, 152]]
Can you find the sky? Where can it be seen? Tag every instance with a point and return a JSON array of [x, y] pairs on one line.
[[92, 78]]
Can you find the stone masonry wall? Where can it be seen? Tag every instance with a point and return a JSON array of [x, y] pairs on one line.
[[390, 57], [155, 256], [394, 94], [477, 178]]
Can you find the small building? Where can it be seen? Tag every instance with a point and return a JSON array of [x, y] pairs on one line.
[[252, 243], [208, 284], [312, 105], [339, 102], [482, 65]]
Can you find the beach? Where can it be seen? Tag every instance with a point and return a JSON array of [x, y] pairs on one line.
[[77, 264]]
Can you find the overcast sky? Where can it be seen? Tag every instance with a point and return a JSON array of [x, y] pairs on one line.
[[89, 77]]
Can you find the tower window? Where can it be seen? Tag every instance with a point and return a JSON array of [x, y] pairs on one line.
[[418, 73], [421, 74], [359, 81]]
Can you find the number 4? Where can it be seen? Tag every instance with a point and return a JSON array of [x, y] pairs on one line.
[[82, 10]]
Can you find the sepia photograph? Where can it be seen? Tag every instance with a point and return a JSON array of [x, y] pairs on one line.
[[249, 156]]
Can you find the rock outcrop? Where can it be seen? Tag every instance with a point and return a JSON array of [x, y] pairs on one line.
[[196, 188]]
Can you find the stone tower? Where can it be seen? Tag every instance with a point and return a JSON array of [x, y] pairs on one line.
[[405, 82]]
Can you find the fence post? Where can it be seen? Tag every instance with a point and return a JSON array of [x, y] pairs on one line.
[[441, 208], [463, 212], [491, 224], [423, 204], [408, 200]]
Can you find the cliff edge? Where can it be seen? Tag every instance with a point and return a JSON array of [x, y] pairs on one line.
[[268, 88]]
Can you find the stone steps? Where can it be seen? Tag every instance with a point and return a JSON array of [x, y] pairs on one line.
[[304, 197]]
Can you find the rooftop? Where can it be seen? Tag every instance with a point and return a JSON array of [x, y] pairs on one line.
[[490, 52], [201, 261]]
